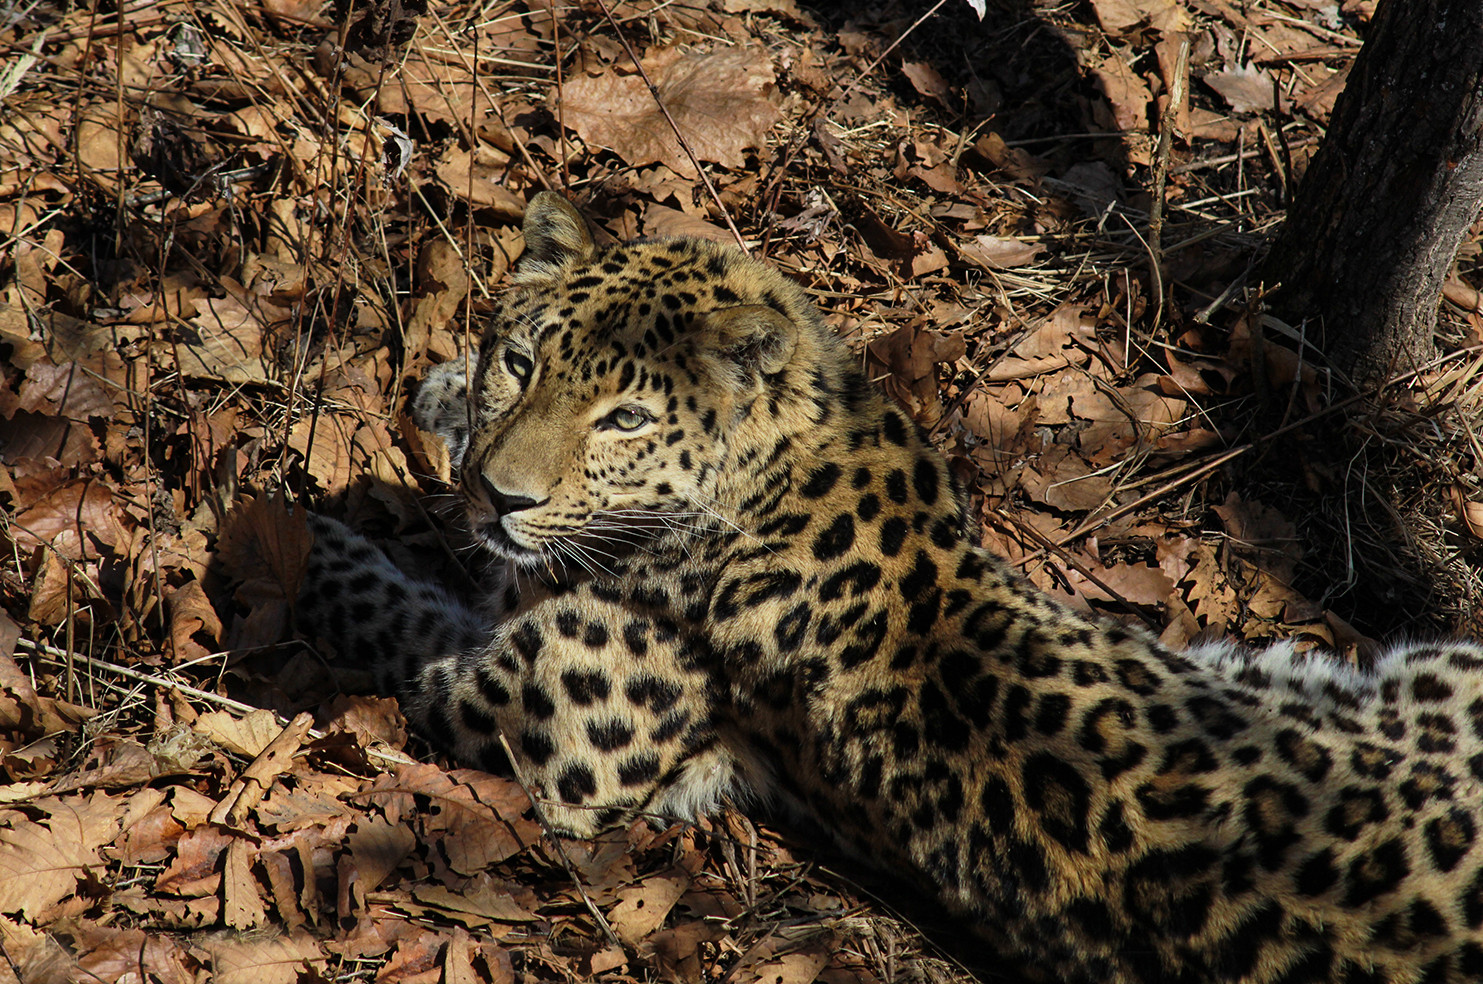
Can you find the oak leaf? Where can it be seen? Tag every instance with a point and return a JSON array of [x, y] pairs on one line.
[[720, 102], [41, 860]]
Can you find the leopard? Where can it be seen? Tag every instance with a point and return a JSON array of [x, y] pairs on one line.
[[728, 569]]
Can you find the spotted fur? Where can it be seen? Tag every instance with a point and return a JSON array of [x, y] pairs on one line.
[[739, 572]]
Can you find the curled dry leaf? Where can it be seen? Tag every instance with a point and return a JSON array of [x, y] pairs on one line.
[[721, 102], [193, 621], [908, 359]]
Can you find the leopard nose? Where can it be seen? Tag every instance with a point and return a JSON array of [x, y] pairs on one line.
[[504, 503]]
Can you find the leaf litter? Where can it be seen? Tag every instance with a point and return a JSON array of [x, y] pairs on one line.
[[235, 236]]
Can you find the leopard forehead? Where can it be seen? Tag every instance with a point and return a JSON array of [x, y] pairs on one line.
[[634, 302]]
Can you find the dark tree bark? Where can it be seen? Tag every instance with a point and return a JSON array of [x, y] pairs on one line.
[[1391, 191]]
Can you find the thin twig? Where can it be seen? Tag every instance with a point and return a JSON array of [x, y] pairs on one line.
[[61, 656], [561, 855]]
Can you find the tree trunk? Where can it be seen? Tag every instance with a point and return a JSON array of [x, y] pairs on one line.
[[1391, 191]]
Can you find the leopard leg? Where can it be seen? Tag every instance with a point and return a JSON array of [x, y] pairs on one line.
[[608, 714], [355, 598]]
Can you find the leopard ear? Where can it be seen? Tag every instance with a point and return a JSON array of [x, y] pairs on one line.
[[751, 340], [556, 235]]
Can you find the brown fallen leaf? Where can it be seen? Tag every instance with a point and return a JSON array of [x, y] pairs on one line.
[[228, 344], [720, 101], [42, 860], [247, 735], [442, 284], [123, 764], [479, 898], [266, 548], [262, 959], [1123, 17], [378, 847], [793, 968], [83, 507], [1248, 89], [906, 361], [193, 621], [642, 908], [194, 871], [33, 955], [108, 953], [241, 902], [999, 252], [479, 178], [926, 80], [25, 711]]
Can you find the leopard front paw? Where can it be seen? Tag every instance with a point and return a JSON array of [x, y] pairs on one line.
[[441, 407]]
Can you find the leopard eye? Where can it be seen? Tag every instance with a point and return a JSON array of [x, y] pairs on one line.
[[626, 419], [519, 366]]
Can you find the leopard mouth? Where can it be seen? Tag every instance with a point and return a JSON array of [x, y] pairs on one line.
[[493, 536]]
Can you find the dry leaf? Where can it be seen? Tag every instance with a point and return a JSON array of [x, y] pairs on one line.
[[40, 862], [907, 359], [794, 968], [481, 178], [242, 907], [265, 547], [83, 508], [378, 847], [262, 959], [1124, 17], [926, 80], [641, 909], [442, 284], [192, 618], [1472, 514], [1247, 89], [479, 898], [194, 871], [228, 344], [246, 736], [68, 390], [999, 252], [719, 101]]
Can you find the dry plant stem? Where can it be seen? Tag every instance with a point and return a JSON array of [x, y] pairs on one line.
[[248, 789], [59, 656], [684, 144], [561, 855], [1177, 94]]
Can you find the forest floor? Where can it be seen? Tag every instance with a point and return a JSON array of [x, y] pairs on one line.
[[232, 236]]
